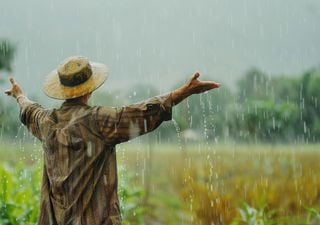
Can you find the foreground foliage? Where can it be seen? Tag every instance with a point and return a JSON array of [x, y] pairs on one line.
[[261, 185], [277, 184], [19, 195], [19, 198]]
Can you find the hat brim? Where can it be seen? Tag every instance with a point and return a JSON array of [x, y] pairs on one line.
[[54, 89]]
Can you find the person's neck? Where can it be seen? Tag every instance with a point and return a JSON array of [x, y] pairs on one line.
[[79, 100]]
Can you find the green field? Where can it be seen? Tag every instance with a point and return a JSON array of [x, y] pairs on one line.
[[186, 184]]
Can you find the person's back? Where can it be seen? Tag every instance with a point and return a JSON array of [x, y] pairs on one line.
[[80, 177], [80, 173]]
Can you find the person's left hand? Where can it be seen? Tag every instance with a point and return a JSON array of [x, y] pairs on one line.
[[193, 86], [15, 90], [196, 86]]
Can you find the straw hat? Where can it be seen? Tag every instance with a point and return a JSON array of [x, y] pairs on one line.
[[75, 77]]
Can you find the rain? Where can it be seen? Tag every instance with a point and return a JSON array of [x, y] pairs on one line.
[[245, 153]]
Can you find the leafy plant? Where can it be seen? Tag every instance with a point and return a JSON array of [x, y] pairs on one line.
[[312, 218], [19, 195], [132, 208], [252, 216]]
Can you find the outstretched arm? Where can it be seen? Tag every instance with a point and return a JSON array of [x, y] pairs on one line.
[[31, 113], [124, 123], [193, 86]]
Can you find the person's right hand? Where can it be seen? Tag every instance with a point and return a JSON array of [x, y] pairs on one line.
[[15, 90]]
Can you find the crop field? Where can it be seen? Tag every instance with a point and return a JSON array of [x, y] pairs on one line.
[[186, 184]]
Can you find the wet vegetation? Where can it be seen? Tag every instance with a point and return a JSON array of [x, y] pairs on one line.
[[236, 185]]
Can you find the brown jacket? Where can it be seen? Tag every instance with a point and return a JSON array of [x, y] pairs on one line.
[[79, 184]]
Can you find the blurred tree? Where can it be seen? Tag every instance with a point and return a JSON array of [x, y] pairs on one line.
[[263, 120], [279, 109], [7, 50], [8, 124], [254, 84], [285, 89], [309, 106]]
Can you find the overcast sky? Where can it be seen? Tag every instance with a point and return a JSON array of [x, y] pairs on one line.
[[162, 42]]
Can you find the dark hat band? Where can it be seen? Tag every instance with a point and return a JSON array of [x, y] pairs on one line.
[[75, 79]]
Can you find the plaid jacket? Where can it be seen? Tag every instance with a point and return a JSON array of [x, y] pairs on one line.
[[79, 185]]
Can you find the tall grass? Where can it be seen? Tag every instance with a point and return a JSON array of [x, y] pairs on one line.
[[238, 185]]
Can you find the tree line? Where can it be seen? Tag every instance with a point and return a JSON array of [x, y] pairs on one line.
[[261, 108]]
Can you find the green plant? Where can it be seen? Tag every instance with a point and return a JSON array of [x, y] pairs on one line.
[[132, 208], [19, 195], [312, 218], [252, 216]]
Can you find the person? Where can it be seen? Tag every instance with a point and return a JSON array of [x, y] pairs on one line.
[[79, 183]]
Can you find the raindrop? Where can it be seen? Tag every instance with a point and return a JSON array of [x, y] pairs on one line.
[[304, 127], [273, 123], [89, 149]]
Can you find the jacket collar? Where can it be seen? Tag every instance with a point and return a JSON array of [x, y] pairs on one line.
[[73, 103]]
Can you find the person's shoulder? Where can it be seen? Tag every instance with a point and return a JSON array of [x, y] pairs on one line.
[[102, 111]]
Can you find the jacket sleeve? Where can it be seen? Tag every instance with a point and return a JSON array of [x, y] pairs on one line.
[[121, 124], [32, 115]]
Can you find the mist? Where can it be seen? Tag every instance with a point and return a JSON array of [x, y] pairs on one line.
[[162, 42]]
